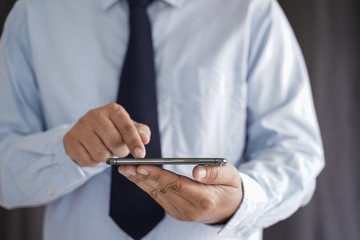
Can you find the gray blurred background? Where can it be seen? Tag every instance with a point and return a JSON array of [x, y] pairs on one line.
[[329, 35]]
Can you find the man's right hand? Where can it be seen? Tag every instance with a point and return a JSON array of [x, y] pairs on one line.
[[104, 132]]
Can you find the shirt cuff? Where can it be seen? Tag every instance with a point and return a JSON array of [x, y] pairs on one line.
[[242, 223]]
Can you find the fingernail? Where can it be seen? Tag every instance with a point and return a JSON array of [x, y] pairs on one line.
[[202, 172], [122, 172], [139, 153], [143, 171], [130, 172]]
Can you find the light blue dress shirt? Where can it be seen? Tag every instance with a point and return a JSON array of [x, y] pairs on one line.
[[231, 83]]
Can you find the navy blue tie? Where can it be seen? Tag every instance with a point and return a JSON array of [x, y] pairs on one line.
[[131, 208]]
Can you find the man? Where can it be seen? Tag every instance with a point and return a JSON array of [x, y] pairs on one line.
[[231, 82]]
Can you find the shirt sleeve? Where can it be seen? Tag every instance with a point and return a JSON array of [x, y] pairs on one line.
[[34, 168], [284, 152]]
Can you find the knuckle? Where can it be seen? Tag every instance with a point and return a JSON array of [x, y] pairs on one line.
[[175, 187], [101, 114], [156, 177], [127, 129], [172, 187], [92, 113], [154, 194], [163, 190], [135, 180], [85, 123], [117, 109], [82, 121], [132, 143], [214, 175], [142, 177], [113, 106]]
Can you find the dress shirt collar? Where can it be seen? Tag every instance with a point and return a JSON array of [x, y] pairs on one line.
[[109, 3]]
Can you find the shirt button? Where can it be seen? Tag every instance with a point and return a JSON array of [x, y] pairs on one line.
[[49, 192]]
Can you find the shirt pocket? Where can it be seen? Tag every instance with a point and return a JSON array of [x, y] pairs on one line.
[[204, 105]]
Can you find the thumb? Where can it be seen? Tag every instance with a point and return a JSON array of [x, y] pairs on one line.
[[217, 175]]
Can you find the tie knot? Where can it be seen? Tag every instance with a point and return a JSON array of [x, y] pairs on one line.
[[139, 3]]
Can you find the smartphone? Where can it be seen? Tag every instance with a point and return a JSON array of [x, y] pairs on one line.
[[166, 161]]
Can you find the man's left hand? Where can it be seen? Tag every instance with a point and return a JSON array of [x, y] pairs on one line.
[[213, 197]]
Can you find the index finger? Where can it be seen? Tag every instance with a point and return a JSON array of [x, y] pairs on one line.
[[128, 131]]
